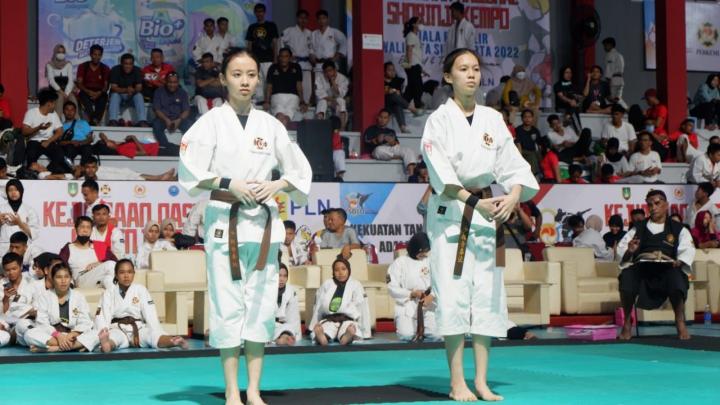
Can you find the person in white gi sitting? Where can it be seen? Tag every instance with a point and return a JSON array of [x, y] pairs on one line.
[[63, 315], [331, 87], [151, 243], [705, 167], [91, 264], [341, 311], [20, 298], [409, 285], [287, 317]]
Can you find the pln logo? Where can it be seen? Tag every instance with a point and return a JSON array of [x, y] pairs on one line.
[[355, 203]]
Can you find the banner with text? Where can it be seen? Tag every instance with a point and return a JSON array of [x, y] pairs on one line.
[[509, 32]]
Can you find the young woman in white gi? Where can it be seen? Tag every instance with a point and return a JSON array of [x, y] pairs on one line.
[[466, 148], [151, 243], [341, 312], [91, 265], [287, 317], [19, 298], [235, 148], [63, 315], [127, 316], [408, 283]]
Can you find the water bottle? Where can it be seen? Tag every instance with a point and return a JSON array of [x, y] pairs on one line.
[[558, 231], [707, 318]]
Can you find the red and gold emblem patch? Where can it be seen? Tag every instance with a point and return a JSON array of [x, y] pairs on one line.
[[488, 139], [260, 143]]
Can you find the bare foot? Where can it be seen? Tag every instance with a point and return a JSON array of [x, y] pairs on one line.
[[683, 333], [626, 333], [233, 398], [486, 394], [36, 349], [321, 339], [178, 341], [347, 338], [253, 398], [462, 393], [285, 340], [168, 175], [105, 343]]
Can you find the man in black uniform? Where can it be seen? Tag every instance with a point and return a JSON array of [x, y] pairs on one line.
[[657, 256]]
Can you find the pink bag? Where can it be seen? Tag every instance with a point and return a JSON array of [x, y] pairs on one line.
[[620, 317]]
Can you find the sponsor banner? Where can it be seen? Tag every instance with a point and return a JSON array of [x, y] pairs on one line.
[[702, 21], [508, 33]]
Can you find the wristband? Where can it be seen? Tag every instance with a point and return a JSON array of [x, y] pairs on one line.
[[225, 183], [55, 334], [472, 200]]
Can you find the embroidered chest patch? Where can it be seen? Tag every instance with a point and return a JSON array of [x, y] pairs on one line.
[[135, 300], [425, 271], [441, 210], [260, 144], [488, 140], [218, 233], [76, 312]]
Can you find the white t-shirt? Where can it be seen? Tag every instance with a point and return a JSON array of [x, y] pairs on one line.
[[33, 118], [640, 162], [411, 39], [556, 139], [625, 134], [621, 166]]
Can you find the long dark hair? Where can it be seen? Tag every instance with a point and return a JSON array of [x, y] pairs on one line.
[[233, 53], [408, 27], [450, 59]]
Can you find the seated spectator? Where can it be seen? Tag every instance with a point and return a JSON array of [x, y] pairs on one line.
[[375, 134], [521, 93], [331, 87], [616, 232], [409, 285], [20, 299], [707, 102], [93, 78], [550, 163], [645, 164], [421, 174], [527, 135], [702, 203], [63, 317], [567, 98], [104, 233], [660, 142], [336, 235], [5, 111], [124, 300], [506, 119], [90, 191], [637, 215], [494, 97], [569, 146], [154, 75], [42, 129], [287, 316], [524, 224], [576, 175], [90, 170], [590, 237], [209, 91], [42, 265], [284, 90], [704, 232], [614, 158], [607, 175], [394, 101], [292, 248], [705, 167], [596, 92], [168, 230], [341, 310], [714, 139], [619, 129], [59, 74], [298, 38], [172, 111], [16, 216], [151, 243], [338, 148], [388, 148], [656, 111], [19, 243], [194, 224], [126, 89], [686, 141], [77, 134], [91, 265]]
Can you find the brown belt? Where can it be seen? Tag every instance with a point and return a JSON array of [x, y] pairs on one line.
[[465, 229], [337, 318], [420, 332], [235, 205], [129, 320]]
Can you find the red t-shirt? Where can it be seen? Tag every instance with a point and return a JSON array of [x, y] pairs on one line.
[[610, 180], [5, 108], [512, 130], [548, 164], [154, 76], [655, 112], [337, 141], [95, 80], [693, 138], [570, 181]]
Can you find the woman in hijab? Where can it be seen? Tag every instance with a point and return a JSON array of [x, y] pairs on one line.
[[287, 317], [586, 233], [704, 233], [521, 93], [168, 228], [16, 216], [59, 75], [409, 286], [341, 312], [616, 233], [151, 243]]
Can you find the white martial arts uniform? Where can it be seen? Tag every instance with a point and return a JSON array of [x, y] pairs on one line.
[[287, 316], [387, 152], [142, 259], [194, 223], [137, 304], [614, 68], [300, 43], [117, 239], [206, 44], [217, 145], [324, 45], [691, 152], [296, 254], [28, 215], [703, 169], [48, 315], [285, 103], [354, 304], [324, 89], [469, 157], [15, 318], [460, 35], [108, 173], [590, 238], [405, 275], [78, 260]]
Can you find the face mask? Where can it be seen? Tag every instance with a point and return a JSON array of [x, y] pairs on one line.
[[520, 75], [83, 239], [650, 128], [60, 56]]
